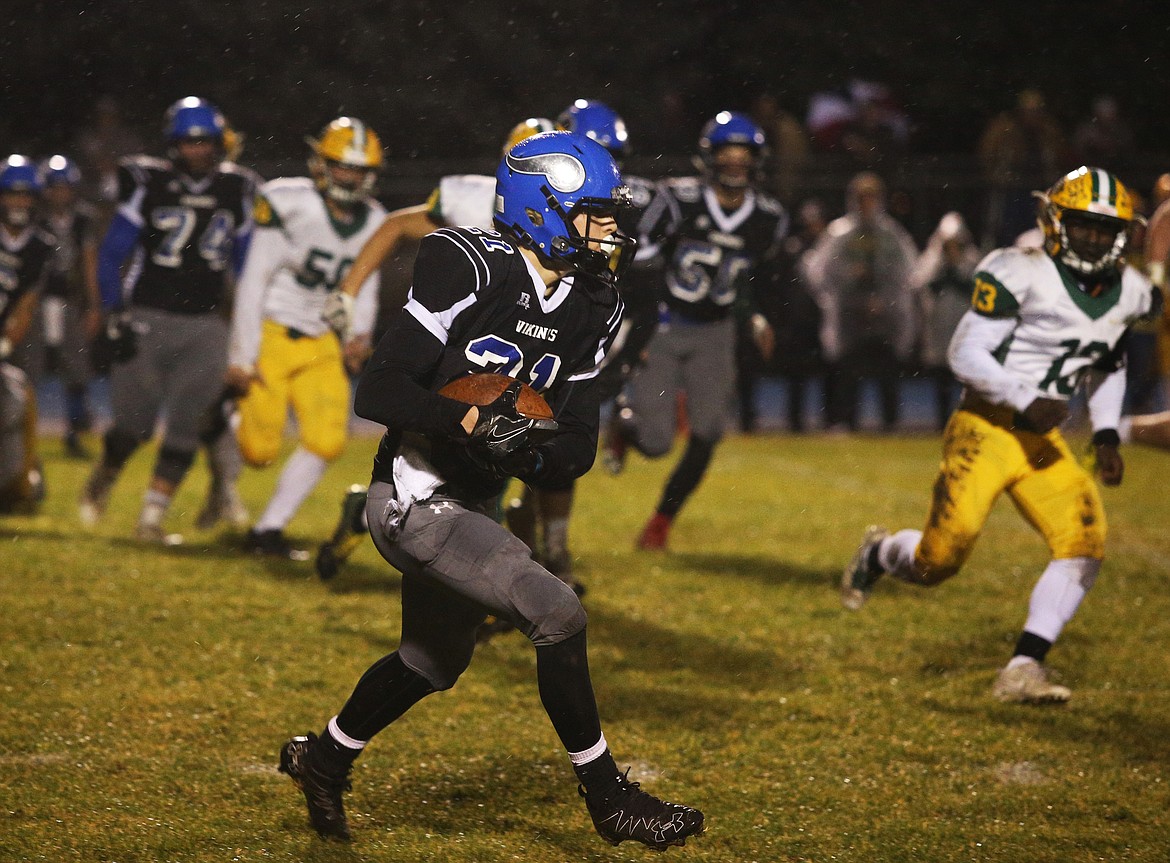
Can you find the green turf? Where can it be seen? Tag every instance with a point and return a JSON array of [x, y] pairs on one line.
[[146, 691]]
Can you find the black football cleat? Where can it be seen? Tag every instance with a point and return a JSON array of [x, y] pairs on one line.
[[631, 813], [273, 543], [347, 536], [322, 790]]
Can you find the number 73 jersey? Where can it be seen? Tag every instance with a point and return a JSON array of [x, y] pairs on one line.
[[1061, 331]]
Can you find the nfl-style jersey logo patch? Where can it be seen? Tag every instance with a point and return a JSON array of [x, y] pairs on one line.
[[524, 300]]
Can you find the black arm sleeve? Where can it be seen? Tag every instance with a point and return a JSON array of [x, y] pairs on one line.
[[389, 391], [571, 452]]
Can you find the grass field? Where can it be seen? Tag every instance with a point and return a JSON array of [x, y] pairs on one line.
[[146, 691]]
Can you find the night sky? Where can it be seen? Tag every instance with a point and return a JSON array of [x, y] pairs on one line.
[[442, 79]]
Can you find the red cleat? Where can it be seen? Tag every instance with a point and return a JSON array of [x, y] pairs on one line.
[[655, 533]]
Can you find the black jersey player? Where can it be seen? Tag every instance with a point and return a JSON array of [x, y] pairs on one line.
[[180, 229], [535, 301], [25, 251], [713, 233]]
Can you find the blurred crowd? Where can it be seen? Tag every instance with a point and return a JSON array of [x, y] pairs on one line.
[[861, 294]]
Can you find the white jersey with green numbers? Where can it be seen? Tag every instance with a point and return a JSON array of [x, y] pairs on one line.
[[299, 253], [464, 200], [1061, 331]]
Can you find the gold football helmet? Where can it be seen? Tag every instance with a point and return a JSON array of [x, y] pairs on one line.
[[1086, 196], [346, 143], [525, 129]]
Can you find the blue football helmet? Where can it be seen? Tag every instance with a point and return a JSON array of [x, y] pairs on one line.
[[59, 170], [726, 128], [598, 121], [19, 174], [194, 117], [544, 182]]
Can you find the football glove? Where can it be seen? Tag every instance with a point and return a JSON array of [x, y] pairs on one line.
[[338, 314], [116, 342], [501, 429]]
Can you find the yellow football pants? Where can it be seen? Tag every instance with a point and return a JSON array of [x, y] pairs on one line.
[[306, 373], [981, 459]]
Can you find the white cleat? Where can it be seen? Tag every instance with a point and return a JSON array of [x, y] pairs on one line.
[[1028, 683]]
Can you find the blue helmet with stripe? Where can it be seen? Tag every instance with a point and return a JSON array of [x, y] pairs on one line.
[[727, 128], [543, 183], [194, 117], [59, 170], [19, 174], [598, 121]]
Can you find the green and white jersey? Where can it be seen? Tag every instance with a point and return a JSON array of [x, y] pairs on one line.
[[299, 253], [464, 200], [1049, 331]]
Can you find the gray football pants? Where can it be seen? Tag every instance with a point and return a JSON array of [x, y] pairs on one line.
[[698, 359], [14, 407], [178, 370], [458, 565]]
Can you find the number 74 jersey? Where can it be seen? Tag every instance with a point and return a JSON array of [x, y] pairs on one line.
[[1062, 331]]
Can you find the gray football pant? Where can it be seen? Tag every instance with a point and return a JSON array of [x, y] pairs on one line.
[[178, 370], [698, 359], [14, 405], [458, 565]]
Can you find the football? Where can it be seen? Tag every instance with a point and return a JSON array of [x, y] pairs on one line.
[[484, 388]]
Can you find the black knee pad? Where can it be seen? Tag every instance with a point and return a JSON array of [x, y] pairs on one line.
[[173, 464], [119, 446], [560, 615]]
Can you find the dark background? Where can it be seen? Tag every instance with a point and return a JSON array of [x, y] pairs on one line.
[[442, 82], [446, 79]]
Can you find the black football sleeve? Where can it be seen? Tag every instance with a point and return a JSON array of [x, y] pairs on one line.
[[389, 390]]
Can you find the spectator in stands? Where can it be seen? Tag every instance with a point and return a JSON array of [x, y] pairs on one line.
[[863, 122], [1104, 138], [99, 147], [788, 143], [943, 281], [1020, 150], [794, 314], [859, 271]]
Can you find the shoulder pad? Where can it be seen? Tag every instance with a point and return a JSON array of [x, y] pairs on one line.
[[685, 189], [769, 204], [1000, 282]]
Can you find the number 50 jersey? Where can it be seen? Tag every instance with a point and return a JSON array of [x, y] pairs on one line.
[[709, 254], [1061, 331], [188, 230]]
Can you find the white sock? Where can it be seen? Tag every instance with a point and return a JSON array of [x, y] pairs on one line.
[[1124, 427], [343, 738], [556, 536], [154, 507], [591, 754], [896, 553], [300, 476], [1058, 593]]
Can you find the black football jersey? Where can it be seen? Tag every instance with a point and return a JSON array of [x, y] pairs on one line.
[[23, 263], [474, 291], [709, 255], [74, 231], [189, 228], [476, 294]]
